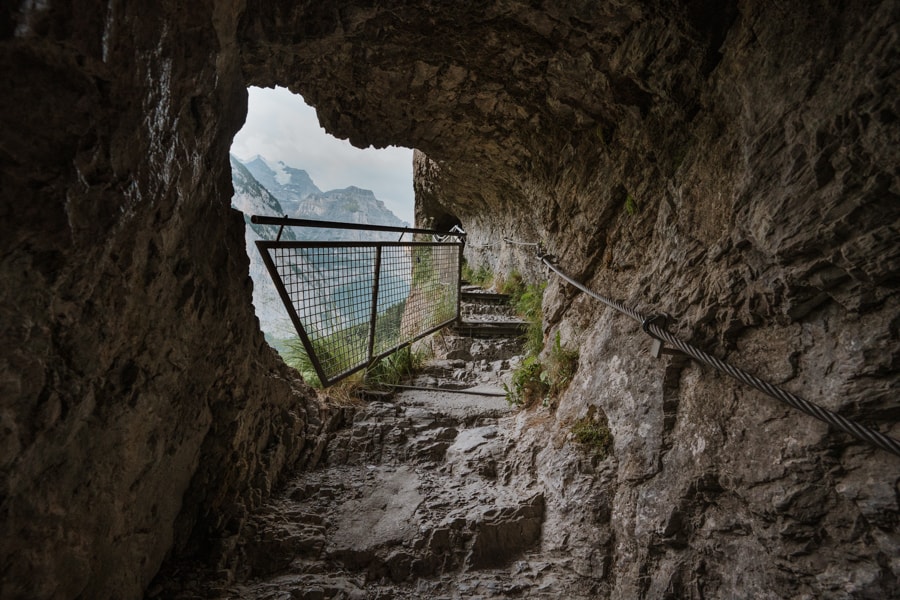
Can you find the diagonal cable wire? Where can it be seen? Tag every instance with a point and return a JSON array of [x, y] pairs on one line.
[[518, 243], [846, 425]]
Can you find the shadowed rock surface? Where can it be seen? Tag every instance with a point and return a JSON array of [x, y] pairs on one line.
[[424, 495], [733, 164]]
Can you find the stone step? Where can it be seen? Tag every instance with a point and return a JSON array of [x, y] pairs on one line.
[[489, 329], [488, 312], [484, 297]]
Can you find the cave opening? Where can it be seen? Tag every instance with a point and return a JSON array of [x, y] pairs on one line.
[[758, 148], [447, 221], [285, 164], [285, 132]]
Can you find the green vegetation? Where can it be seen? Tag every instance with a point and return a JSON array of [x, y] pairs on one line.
[[344, 349], [297, 357], [527, 300], [423, 265], [528, 383], [593, 432], [342, 343], [389, 370], [279, 344], [482, 276], [533, 379], [432, 274], [340, 335], [560, 366], [512, 285], [396, 367], [337, 353], [387, 328], [631, 206]]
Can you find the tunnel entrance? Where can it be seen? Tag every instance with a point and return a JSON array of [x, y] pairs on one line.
[[284, 164], [446, 222]]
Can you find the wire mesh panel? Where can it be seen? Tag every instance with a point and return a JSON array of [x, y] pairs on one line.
[[354, 302]]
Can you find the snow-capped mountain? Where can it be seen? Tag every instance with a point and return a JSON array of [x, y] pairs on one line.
[[349, 205], [301, 198], [286, 183]]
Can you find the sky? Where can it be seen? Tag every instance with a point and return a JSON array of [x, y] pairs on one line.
[[280, 126]]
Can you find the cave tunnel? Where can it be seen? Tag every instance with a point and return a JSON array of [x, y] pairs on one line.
[[446, 222], [143, 417]]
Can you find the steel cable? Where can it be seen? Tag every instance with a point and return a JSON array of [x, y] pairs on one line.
[[517, 243], [858, 431]]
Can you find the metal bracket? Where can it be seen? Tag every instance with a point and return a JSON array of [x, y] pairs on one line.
[[280, 231], [544, 257], [657, 348]]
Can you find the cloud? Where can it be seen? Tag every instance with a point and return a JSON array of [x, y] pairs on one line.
[[282, 127]]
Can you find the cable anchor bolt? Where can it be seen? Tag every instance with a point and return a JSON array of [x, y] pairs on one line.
[[657, 348], [543, 255]]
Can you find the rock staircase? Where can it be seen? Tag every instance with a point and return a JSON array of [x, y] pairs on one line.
[[416, 497], [486, 315]]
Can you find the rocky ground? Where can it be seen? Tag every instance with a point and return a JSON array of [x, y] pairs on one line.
[[419, 495]]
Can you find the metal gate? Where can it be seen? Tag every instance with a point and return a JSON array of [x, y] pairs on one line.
[[353, 303]]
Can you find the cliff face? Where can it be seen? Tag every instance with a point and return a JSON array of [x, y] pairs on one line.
[[138, 396], [732, 164]]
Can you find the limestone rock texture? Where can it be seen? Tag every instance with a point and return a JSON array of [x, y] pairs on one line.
[[141, 411], [734, 164]]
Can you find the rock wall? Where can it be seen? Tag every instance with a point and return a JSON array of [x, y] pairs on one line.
[[139, 405], [734, 164]]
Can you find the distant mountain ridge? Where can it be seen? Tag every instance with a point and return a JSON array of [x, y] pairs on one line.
[[301, 198], [349, 205], [276, 189], [286, 183]]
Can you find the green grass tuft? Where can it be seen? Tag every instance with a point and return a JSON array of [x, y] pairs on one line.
[[528, 303], [528, 383], [513, 285], [593, 432], [396, 367], [631, 206], [482, 276], [561, 365], [295, 355], [532, 379]]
